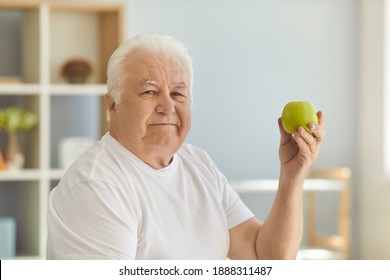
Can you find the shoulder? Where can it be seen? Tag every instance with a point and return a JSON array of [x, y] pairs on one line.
[[188, 150], [99, 169], [195, 157]]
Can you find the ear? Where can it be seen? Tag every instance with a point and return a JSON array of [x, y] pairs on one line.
[[110, 103]]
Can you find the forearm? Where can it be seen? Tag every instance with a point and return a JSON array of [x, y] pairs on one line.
[[281, 233]]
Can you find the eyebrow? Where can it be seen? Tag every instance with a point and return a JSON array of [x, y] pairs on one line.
[[149, 82], [154, 83], [180, 84]]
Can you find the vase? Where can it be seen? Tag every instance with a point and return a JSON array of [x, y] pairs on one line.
[[2, 161], [14, 158]]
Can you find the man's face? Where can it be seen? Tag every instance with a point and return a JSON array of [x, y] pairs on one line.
[[153, 117]]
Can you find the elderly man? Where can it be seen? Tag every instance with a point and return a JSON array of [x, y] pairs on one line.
[[140, 193]]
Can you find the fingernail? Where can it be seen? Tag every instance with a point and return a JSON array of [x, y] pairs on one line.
[[312, 126]]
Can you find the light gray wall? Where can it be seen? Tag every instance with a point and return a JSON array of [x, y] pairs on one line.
[[250, 58]]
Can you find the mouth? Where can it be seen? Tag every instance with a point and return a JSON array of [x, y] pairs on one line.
[[163, 124]]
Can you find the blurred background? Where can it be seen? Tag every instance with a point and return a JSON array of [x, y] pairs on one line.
[[250, 58]]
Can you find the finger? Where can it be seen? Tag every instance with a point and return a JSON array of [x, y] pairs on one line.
[[284, 136], [309, 139], [304, 147], [317, 130], [321, 118]]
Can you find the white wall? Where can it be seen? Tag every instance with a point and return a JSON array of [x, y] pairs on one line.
[[374, 192], [250, 58]]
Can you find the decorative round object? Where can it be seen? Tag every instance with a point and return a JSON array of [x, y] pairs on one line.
[[76, 71]]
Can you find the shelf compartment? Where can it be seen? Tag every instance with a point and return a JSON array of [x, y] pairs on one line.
[[29, 139], [73, 116], [24, 210], [90, 32], [19, 37]]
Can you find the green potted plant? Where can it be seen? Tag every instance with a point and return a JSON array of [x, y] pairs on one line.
[[13, 121]]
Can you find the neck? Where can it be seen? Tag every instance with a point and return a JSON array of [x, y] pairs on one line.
[[155, 157]]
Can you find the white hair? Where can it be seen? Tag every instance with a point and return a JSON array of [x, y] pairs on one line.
[[153, 43]]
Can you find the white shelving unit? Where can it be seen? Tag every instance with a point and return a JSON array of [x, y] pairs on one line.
[[50, 34]]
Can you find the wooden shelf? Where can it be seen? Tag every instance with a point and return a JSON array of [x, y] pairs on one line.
[[84, 89], [56, 174], [20, 89], [20, 175]]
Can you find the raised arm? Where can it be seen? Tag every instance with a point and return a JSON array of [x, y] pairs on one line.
[[280, 235]]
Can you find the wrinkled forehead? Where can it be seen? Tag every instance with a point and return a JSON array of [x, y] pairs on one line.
[[153, 62], [142, 68]]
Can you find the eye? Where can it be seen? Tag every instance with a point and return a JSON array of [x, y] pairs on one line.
[[178, 94], [149, 92]]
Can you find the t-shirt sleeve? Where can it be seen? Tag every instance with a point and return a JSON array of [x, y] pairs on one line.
[[236, 211], [94, 220]]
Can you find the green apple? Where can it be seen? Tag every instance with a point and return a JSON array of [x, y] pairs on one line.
[[298, 113]]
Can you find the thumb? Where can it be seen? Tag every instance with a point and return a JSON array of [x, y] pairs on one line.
[[284, 136]]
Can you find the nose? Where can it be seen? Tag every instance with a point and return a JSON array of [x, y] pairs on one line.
[[165, 104]]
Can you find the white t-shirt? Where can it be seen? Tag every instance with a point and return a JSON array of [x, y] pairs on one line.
[[111, 205]]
